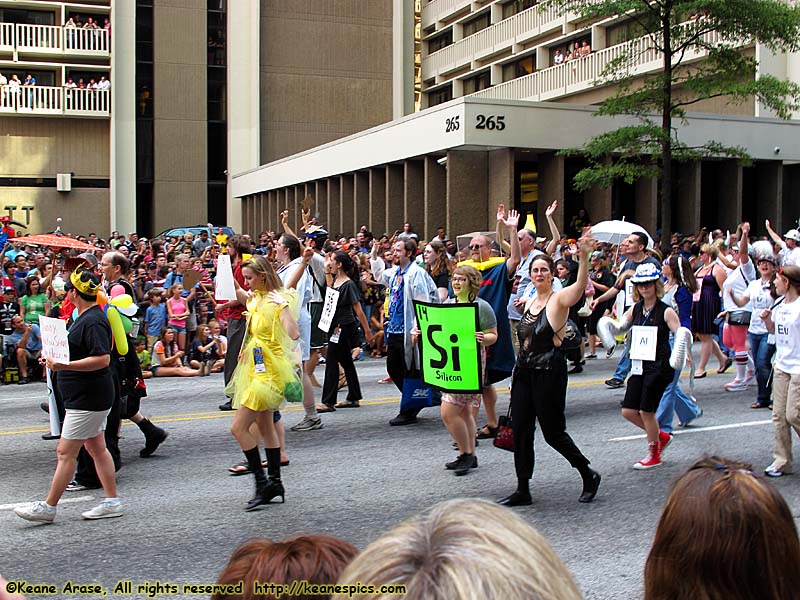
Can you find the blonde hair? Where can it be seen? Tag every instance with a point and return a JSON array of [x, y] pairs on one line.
[[261, 266], [710, 249], [659, 290], [474, 279], [467, 549]]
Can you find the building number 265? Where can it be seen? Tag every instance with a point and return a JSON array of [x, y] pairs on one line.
[[451, 124], [490, 122]]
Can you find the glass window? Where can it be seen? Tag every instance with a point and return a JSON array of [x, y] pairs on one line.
[[217, 151], [439, 96], [519, 68], [624, 32], [477, 83], [27, 17], [440, 41], [475, 25], [516, 6]]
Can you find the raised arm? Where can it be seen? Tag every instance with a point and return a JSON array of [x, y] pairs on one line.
[[572, 293], [498, 230], [285, 223], [551, 247], [775, 237], [512, 223]]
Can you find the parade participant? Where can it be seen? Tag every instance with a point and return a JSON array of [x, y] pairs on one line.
[[789, 245], [784, 321], [650, 376], [724, 533], [232, 311], [341, 274], [539, 384], [87, 388], [438, 267], [761, 295], [678, 291], [405, 282], [460, 410], [496, 272], [737, 317], [265, 373], [633, 248], [710, 278]]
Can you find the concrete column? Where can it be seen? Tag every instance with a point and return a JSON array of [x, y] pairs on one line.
[[251, 216], [551, 187], [730, 208], [501, 181], [770, 195], [402, 58], [333, 220], [435, 196], [689, 195], [280, 203], [377, 201], [320, 207], [467, 197], [263, 211], [394, 198], [360, 200], [269, 200], [414, 195], [646, 190], [258, 218], [346, 195], [597, 202]]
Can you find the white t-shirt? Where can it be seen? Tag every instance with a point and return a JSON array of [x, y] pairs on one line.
[[760, 299], [786, 317], [737, 282], [789, 257]]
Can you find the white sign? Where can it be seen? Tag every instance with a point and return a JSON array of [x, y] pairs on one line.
[[54, 340], [628, 292], [643, 342], [225, 288], [328, 309]]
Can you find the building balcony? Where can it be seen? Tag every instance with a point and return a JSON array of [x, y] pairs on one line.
[[45, 100], [52, 40], [580, 75], [492, 40]]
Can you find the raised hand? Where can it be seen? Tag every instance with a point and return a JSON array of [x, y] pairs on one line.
[[587, 242], [550, 211], [513, 219], [277, 298], [284, 217], [501, 212]]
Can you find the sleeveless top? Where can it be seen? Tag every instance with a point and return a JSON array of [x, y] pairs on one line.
[[655, 318], [536, 348]]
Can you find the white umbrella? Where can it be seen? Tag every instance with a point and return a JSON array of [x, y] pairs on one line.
[[613, 232]]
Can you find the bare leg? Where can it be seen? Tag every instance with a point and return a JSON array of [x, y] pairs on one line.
[[96, 447], [67, 455], [240, 428], [457, 426], [490, 404]]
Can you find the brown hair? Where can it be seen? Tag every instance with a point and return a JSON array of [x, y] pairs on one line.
[[474, 279], [316, 559], [659, 283], [724, 534], [441, 264], [792, 275], [261, 266]]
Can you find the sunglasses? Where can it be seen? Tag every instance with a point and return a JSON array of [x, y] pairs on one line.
[[475, 247]]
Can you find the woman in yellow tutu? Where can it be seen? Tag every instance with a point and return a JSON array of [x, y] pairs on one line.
[[266, 373]]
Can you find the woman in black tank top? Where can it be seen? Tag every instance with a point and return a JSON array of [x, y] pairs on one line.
[[649, 376], [539, 388]]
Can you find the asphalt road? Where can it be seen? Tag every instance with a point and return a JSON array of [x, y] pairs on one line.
[[355, 478]]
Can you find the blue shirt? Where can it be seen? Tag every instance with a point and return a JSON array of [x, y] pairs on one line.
[[155, 318], [34, 339], [396, 322]]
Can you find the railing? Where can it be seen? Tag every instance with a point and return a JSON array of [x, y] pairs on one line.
[[501, 35], [6, 36], [434, 8], [46, 100], [581, 74], [53, 39]]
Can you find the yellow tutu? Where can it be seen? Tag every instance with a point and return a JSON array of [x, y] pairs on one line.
[[265, 388]]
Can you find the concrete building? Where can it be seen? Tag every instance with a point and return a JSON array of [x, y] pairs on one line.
[[198, 89], [498, 104]]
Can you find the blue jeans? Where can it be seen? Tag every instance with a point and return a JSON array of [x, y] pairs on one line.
[[674, 401], [623, 366], [762, 353]]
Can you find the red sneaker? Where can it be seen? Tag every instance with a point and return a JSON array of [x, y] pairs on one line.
[[653, 459], [664, 440]]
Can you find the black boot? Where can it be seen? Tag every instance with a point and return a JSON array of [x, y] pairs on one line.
[[591, 482], [153, 437], [254, 463], [274, 487], [521, 497]]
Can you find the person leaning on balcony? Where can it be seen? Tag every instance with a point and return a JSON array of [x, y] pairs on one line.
[[70, 24], [90, 24], [586, 49], [558, 58]]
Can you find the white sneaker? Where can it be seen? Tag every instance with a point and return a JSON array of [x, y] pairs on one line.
[[773, 472], [36, 511], [105, 510], [308, 424], [737, 385], [748, 380]]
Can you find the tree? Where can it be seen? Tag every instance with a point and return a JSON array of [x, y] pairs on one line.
[[681, 32]]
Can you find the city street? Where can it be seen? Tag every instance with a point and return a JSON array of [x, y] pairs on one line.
[[355, 478]]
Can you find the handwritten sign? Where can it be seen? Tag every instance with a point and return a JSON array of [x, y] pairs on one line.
[[225, 288], [449, 352], [54, 340], [643, 342], [328, 309]]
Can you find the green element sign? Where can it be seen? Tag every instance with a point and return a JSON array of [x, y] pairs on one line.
[[449, 352]]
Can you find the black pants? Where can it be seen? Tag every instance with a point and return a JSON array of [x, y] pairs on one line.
[[341, 353], [236, 331], [85, 472], [396, 358], [541, 395]]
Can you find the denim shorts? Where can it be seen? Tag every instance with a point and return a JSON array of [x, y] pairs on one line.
[[177, 328]]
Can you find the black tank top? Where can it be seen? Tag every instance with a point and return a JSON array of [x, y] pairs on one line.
[[655, 318]]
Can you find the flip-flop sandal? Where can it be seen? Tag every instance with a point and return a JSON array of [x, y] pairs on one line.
[[324, 408], [348, 404], [723, 368]]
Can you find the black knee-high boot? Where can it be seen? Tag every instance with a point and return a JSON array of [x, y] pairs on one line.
[[274, 487], [254, 463], [153, 437]]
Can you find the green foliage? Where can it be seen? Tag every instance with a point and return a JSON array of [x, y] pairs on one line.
[[723, 71]]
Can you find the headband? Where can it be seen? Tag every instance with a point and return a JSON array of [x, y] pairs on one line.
[[84, 285]]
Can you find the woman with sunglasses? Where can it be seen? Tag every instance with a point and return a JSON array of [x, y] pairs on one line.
[[539, 387], [650, 371], [784, 321]]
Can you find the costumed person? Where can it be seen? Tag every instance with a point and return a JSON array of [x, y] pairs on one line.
[[539, 385], [6, 231], [87, 388], [652, 321], [497, 273], [266, 372], [783, 320], [459, 410]]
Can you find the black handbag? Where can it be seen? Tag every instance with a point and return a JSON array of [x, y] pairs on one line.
[[739, 317]]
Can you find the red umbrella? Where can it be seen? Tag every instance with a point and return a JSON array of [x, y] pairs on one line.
[[54, 241]]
